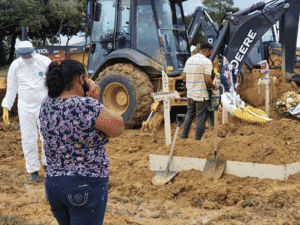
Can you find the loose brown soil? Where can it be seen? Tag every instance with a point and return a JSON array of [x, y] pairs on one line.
[[249, 89], [189, 198]]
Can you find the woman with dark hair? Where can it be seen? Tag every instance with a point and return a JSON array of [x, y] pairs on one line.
[[76, 128]]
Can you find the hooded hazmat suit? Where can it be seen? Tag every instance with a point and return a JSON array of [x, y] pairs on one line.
[[27, 78]]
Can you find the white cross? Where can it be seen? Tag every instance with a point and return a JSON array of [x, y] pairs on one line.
[[266, 81], [166, 96]]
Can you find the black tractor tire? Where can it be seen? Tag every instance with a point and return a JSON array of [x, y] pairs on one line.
[[126, 89]]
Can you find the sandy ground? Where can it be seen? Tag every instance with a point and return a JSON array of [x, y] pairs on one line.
[[189, 198], [250, 93]]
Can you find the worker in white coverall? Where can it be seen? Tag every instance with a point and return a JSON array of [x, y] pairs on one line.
[[26, 76]]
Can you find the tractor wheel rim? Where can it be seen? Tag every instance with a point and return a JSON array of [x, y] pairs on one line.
[[122, 98], [116, 97]]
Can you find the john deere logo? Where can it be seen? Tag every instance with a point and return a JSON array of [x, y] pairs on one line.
[[243, 49]]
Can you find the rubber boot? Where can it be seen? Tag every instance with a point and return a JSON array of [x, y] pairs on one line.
[[34, 176]]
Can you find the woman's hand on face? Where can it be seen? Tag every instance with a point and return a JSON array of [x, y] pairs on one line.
[[94, 91]]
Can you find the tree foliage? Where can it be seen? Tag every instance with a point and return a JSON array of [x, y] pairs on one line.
[[20, 13], [46, 20], [70, 14], [13, 15]]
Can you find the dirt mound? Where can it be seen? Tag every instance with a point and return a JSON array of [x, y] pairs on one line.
[[275, 142], [249, 89]]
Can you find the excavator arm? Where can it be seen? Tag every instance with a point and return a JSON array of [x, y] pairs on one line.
[[203, 20], [288, 38], [243, 29]]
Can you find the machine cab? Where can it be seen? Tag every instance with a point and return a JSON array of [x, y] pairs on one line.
[[146, 32]]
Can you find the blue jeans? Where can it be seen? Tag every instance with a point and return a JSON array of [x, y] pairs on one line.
[[195, 109], [77, 200]]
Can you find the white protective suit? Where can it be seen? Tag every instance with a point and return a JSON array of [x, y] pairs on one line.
[[27, 78]]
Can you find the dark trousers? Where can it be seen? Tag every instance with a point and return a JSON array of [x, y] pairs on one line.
[[195, 109], [77, 200]]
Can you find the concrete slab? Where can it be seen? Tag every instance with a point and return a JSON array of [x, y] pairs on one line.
[[293, 168], [159, 163], [241, 169]]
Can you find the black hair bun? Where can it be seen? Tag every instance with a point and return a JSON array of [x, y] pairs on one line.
[[54, 80]]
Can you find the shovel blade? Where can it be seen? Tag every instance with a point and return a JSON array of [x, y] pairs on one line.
[[214, 168], [163, 177]]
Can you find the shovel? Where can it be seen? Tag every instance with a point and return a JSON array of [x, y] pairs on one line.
[[163, 177], [145, 124], [214, 168]]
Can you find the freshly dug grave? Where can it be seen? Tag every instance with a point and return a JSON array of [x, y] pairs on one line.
[[276, 142]]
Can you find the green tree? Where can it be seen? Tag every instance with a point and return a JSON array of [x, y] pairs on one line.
[[70, 14], [46, 20], [46, 35], [15, 14], [75, 24]]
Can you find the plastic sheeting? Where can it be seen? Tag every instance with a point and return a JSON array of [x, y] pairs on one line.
[[231, 101], [294, 110]]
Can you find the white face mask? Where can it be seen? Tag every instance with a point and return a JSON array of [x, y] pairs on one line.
[[28, 60]]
